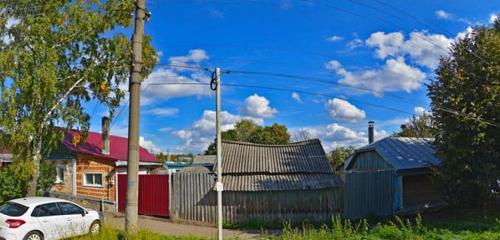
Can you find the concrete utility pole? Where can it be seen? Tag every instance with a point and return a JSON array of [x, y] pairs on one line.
[[218, 184], [133, 123]]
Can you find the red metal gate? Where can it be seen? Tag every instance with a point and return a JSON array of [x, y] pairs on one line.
[[153, 194]]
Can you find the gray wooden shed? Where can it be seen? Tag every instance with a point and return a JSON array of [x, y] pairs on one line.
[[391, 176], [290, 182]]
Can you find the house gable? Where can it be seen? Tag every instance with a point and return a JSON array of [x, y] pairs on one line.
[[368, 160]]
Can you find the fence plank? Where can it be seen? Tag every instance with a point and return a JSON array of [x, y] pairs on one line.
[[195, 200]]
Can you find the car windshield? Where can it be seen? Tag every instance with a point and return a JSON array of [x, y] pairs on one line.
[[13, 209]]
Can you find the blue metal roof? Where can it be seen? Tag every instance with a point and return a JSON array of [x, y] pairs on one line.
[[178, 165], [403, 153]]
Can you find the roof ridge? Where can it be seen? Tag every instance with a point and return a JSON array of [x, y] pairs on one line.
[[304, 142]]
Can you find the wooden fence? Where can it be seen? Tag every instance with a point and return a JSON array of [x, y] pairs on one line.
[[190, 197], [194, 200]]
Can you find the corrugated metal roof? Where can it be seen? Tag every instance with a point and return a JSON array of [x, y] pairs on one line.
[[204, 159], [118, 147], [280, 182], [404, 153], [259, 167], [300, 157]]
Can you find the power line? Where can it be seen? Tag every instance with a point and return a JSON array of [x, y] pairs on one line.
[[416, 20], [316, 79], [339, 97], [316, 94], [390, 23], [291, 76], [363, 102]]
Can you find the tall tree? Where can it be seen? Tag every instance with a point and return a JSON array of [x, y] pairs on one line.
[[248, 131], [466, 110], [419, 126], [338, 156], [55, 56]]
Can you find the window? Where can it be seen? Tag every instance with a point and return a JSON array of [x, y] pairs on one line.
[[13, 209], [92, 179], [60, 173], [70, 209], [46, 210]]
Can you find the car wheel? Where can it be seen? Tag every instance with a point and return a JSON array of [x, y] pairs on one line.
[[95, 228], [34, 235]]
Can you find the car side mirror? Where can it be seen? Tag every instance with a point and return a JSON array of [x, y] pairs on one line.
[[84, 212]]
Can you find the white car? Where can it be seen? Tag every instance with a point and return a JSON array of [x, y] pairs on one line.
[[43, 218]]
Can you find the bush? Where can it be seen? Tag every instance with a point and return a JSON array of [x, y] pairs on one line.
[[14, 179]]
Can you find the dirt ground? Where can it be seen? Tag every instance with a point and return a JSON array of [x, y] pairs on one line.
[[165, 226]]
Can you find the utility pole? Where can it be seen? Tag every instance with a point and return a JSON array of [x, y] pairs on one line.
[[218, 184], [133, 122]]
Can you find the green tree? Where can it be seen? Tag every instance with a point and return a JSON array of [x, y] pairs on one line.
[[419, 126], [466, 111], [57, 56], [162, 157], [248, 131], [47, 177], [338, 156]]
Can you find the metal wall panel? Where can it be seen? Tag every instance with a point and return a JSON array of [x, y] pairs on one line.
[[153, 194], [368, 193]]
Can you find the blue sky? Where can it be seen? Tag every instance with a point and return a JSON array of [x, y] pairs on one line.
[[351, 44]]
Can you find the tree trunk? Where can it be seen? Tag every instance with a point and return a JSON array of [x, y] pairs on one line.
[[37, 156]]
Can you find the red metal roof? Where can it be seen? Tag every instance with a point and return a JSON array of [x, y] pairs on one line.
[[118, 147]]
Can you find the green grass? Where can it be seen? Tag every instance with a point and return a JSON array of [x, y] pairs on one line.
[[452, 224], [108, 233], [449, 224], [397, 230]]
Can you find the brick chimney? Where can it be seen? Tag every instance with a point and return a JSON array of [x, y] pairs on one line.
[[105, 135], [371, 131]]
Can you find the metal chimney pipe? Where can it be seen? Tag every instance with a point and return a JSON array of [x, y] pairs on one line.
[[105, 135], [371, 131]]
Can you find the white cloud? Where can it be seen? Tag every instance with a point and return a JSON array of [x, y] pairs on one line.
[[386, 44], [148, 145], [493, 17], [189, 79], [420, 110], [164, 112], [441, 14], [335, 135], [258, 107], [201, 133], [334, 38], [395, 75], [424, 48], [296, 97], [355, 43], [194, 56], [165, 129], [344, 111], [462, 35]]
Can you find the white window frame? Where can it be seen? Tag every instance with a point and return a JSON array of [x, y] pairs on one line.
[[60, 169], [85, 182]]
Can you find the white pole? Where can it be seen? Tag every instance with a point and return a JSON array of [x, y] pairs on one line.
[[218, 185]]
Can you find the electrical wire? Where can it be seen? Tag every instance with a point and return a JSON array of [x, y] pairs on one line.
[[314, 79], [422, 23], [295, 77], [362, 102], [291, 76]]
